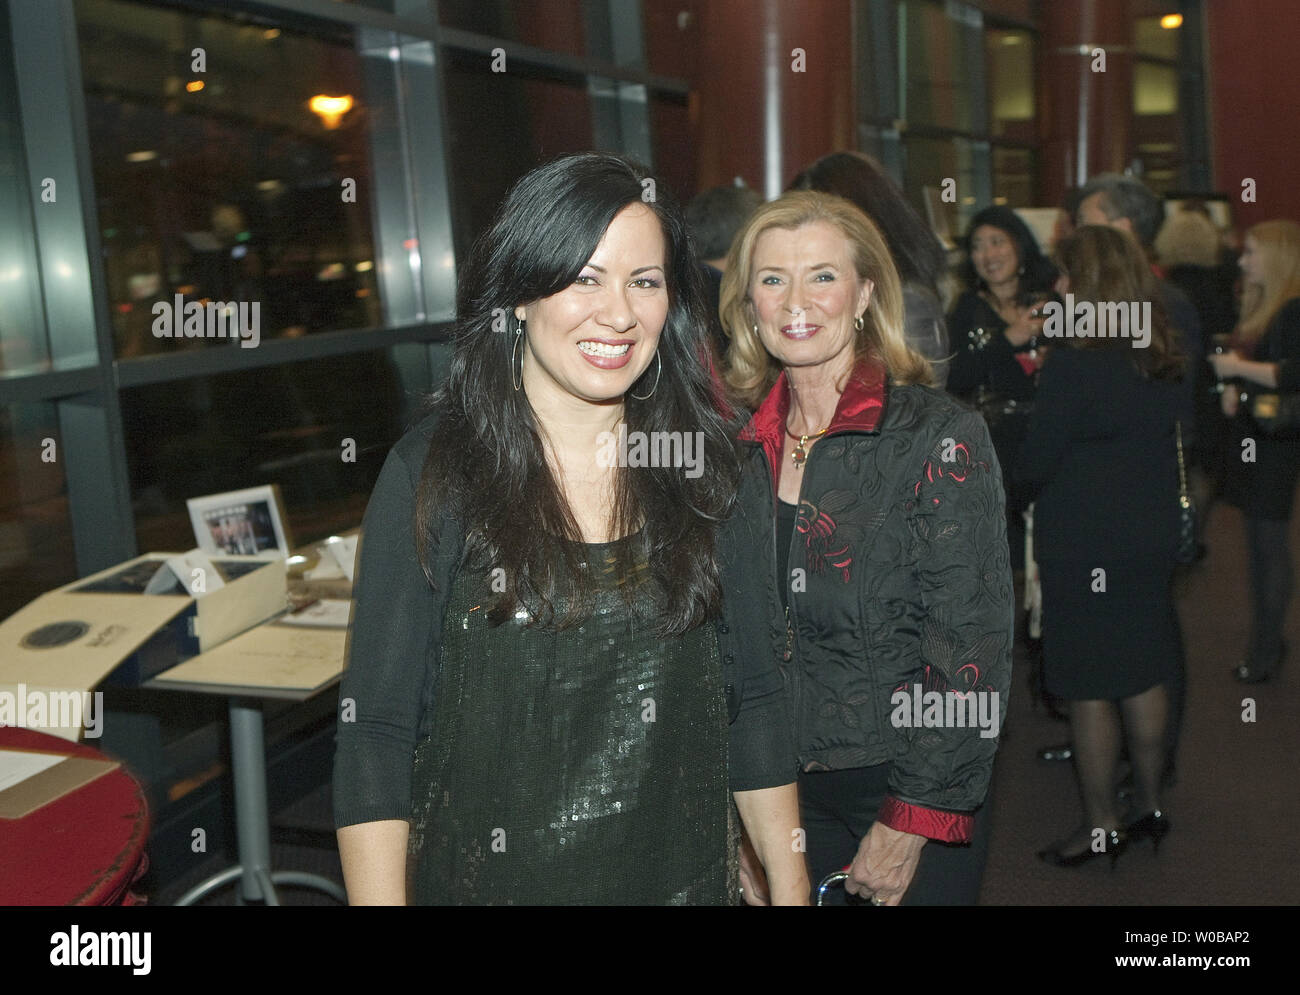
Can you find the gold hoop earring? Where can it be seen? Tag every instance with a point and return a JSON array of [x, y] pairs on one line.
[[519, 336], [859, 323], [658, 372]]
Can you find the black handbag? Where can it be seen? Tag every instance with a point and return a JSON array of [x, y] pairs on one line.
[[1185, 552]]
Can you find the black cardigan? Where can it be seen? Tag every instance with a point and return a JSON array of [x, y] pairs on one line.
[[1100, 459], [386, 696]]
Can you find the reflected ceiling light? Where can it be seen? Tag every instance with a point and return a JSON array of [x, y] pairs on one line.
[[143, 156], [1170, 21], [365, 266], [330, 109], [270, 34], [194, 85]]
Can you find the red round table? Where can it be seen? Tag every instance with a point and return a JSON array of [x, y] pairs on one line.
[[85, 848]]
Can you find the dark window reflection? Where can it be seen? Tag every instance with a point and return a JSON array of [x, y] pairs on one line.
[[502, 125], [36, 550], [225, 185], [557, 25], [275, 425]]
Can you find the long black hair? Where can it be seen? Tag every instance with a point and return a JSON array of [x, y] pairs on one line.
[[486, 462], [1037, 272], [918, 254]]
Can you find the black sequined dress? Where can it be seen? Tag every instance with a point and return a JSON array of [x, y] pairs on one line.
[[577, 766]]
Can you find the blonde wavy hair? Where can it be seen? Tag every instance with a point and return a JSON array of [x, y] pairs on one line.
[[1278, 243], [1188, 238], [751, 370]]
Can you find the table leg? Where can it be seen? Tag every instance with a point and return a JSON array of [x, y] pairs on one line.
[[253, 821]]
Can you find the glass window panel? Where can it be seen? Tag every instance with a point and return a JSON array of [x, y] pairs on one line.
[[24, 346], [942, 79], [929, 161], [1021, 9], [1157, 125], [1009, 58], [224, 185], [1155, 89], [1014, 177], [36, 548], [501, 126], [272, 425], [1151, 37], [557, 25]]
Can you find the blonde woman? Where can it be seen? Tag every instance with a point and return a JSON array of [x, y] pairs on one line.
[[1266, 353], [888, 558]]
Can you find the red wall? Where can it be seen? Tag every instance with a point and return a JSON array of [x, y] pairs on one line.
[[1254, 98]]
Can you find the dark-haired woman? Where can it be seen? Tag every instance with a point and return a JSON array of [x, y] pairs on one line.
[[1100, 461], [918, 255], [546, 691], [996, 332]]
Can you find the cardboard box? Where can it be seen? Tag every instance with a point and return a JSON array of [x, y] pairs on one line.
[[78, 635], [66, 775]]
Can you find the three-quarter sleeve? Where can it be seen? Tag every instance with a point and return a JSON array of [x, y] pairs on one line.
[[963, 572], [390, 646]]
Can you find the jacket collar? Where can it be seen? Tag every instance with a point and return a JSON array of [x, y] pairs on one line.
[[860, 409]]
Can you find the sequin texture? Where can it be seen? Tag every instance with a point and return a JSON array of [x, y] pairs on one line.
[[580, 766]]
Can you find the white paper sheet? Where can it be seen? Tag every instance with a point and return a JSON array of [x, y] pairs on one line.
[[327, 613], [17, 766]]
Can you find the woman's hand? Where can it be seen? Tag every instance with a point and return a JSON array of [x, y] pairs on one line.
[[1027, 324], [1229, 401], [1226, 364], [771, 820], [753, 881], [884, 865]]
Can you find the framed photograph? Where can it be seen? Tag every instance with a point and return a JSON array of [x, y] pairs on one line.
[[241, 523]]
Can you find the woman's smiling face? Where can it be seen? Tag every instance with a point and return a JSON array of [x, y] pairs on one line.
[[993, 254], [594, 338], [806, 293]]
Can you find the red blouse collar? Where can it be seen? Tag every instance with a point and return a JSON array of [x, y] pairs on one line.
[[859, 409]]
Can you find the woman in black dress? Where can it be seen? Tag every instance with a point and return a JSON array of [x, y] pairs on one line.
[[536, 707], [1265, 356], [996, 334], [1100, 460]]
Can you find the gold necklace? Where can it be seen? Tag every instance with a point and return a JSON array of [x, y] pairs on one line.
[[800, 454]]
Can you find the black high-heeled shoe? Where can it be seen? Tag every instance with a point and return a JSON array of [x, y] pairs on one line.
[[1116, 843], [1153, 825]]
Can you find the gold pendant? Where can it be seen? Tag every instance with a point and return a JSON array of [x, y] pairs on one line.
[[800, 454]]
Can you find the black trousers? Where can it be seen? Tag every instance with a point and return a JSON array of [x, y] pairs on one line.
[[838, 807]]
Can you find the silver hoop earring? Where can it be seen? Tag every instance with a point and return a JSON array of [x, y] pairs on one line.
[[658, 372], [519, 337], [859, 323]]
